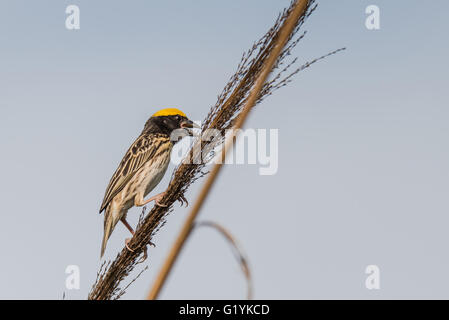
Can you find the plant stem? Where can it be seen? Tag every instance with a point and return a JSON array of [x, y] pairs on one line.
[[286, 30]]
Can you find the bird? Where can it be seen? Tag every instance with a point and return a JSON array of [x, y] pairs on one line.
[[142, 168]]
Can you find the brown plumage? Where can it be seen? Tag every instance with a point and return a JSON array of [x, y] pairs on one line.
[[141, 169]]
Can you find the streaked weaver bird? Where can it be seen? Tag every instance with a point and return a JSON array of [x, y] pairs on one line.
[[141, 169]]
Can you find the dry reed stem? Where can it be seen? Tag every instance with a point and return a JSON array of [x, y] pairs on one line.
[[221, 116], [237, 250], [298, 9]]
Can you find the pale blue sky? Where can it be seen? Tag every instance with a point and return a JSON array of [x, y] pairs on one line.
[[363, 158]]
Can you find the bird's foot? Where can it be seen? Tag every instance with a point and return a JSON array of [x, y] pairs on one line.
[[145, 251], [127, 240], [144, 257], [158, 198], [183, 200]]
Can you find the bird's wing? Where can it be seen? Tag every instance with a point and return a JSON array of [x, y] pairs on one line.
[[146, 147]]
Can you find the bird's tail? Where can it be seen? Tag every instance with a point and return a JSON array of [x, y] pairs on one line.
[[110, 220]]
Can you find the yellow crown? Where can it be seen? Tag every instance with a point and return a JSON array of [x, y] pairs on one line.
[[169, 112]]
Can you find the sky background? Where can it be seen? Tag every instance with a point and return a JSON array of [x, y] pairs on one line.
[[363, 147]]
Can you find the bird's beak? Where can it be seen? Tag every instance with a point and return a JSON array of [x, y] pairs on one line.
[[189, 124]]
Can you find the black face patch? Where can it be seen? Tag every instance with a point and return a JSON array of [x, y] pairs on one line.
[[164, 124]]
